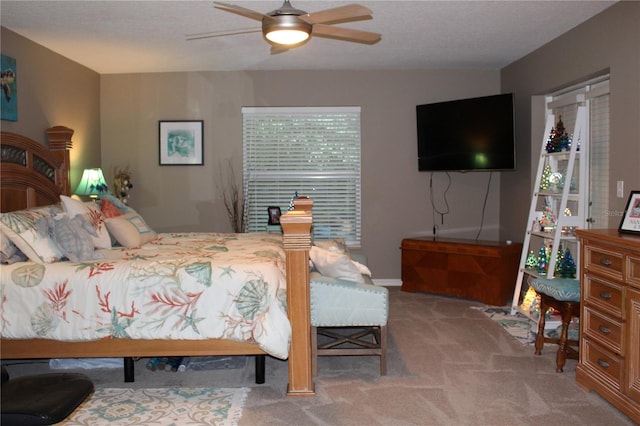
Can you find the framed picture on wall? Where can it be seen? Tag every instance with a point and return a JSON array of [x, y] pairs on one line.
[[9, 95], [631, 218], [181, 143]]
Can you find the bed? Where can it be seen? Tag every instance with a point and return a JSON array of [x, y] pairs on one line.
[[174, 278]]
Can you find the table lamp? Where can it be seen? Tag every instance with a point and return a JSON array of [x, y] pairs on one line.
[[92, 183]]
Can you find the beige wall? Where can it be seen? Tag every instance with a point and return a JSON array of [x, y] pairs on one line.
[[395, 196], [609, 42], [121, 116], [53, 91]]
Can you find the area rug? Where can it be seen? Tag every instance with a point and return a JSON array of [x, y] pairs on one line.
[[163, 407], [518, 325], [523, 328]]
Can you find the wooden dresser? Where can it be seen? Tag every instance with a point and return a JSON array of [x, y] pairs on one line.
[[480, 270], [610, 318]]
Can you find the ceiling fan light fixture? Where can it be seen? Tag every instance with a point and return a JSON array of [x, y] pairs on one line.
[[286, 29]]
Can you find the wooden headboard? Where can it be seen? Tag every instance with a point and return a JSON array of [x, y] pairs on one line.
[[30, 173]]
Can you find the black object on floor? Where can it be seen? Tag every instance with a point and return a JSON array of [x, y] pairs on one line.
[[41, 399]]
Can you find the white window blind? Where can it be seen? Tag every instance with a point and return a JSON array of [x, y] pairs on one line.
[[314, 151], [595, 94]]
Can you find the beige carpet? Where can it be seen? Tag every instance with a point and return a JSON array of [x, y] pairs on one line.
[[448, 364]]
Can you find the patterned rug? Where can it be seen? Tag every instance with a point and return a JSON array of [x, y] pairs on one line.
[[164, 407], [523, 328], [518, 325]]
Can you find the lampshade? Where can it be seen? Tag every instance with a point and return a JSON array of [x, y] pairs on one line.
[[286, 29], [92, 183]]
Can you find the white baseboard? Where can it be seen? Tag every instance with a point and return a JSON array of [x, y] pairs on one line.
[[388, 282]]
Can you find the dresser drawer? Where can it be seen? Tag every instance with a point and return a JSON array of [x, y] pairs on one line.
[[600, 259], [604, 330], [605, 295], [633, 271], [605, 364]]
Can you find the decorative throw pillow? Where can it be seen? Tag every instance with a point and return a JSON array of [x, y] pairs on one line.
[[116, 202], [130, 230], [363, 269], [108, 209], [93, 215], [73, 236], [335, 265], [20, 228], [9, 253], [336, 245]]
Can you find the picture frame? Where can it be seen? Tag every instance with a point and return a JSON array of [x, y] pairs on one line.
[[274, 215], [181, 142], [630, 222], [9, 93]]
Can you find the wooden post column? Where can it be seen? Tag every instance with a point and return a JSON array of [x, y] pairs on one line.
[[59, 139], [296, 229]]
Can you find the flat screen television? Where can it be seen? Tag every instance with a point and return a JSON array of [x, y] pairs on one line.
[[475, 134]]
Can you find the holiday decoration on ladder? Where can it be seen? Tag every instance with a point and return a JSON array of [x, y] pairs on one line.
[[558, 139]]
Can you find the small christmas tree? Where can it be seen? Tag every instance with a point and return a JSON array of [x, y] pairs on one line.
[[543, 260], [532, 260], [544, 179], [559, 139], [567, 267], [548, 220], [559, 256], [550, 147]]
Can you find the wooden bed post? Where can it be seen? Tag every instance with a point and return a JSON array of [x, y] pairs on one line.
[[59, 139], [296, 229]]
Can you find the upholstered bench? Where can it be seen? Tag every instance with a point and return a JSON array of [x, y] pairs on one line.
[[562, 294], [353, 316]]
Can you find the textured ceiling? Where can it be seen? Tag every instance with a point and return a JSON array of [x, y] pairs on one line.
[[149, 36]]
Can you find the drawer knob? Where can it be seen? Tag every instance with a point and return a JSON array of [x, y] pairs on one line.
[[604, 330], [602, 363], [605, 262], [605, 295]]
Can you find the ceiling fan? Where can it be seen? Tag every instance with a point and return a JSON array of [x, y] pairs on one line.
[[288, 27]]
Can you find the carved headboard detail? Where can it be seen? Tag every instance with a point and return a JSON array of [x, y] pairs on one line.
[[30, 173]]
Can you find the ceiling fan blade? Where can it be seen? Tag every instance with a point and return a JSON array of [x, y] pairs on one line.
[[279, 48], [346, 34], [239, 10], [349, 13], [213, 34]]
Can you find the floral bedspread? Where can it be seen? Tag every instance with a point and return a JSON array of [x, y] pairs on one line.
[[179, 286]]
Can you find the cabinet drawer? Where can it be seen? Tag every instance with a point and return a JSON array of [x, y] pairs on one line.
[[633, 271], [604, 330], [606, 364], [605, 295], [600, 259]]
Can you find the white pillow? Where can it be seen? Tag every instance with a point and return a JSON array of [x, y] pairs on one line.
[[363, 269], [336, 245], [335, 265], [130, 230], [93, 215]]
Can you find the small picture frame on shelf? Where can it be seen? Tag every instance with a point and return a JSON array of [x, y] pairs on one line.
[[274, 215], [630, 222]]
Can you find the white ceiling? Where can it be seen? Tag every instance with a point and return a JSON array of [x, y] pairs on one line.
[[149, 36]]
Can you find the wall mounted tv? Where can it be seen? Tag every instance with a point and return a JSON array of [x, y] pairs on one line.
[[475, 134]]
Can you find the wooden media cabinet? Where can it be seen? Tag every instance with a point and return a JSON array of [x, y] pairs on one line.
[[481, 270]]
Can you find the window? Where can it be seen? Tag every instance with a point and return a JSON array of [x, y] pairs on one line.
[[314, 151]]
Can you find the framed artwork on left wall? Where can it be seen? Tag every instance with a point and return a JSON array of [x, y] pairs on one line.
[[9, 95], [181, 143]]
